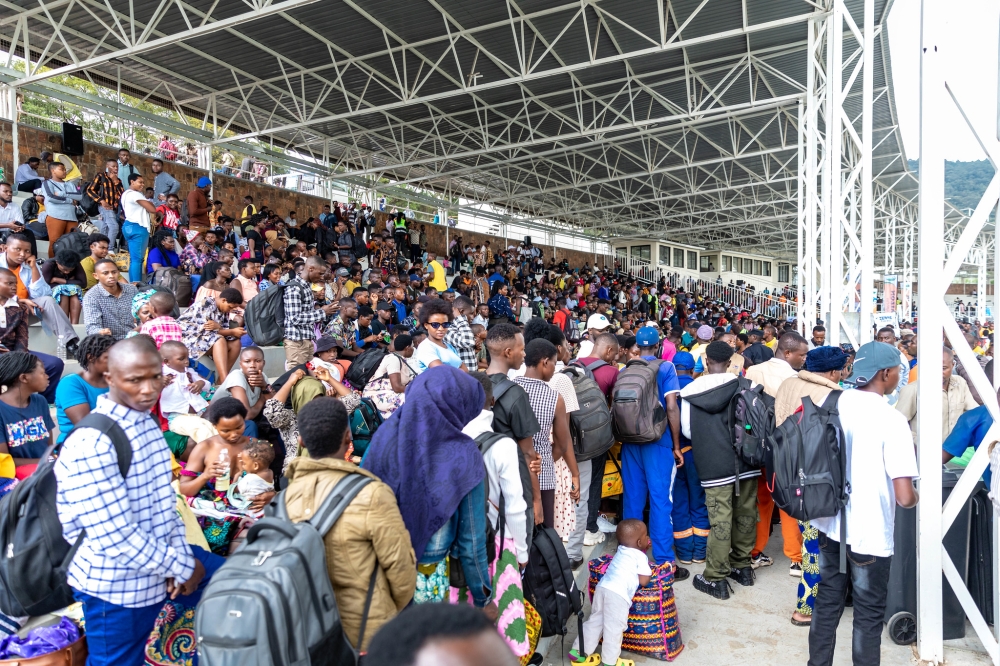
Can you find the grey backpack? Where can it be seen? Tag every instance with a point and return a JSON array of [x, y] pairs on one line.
[[637, 414], [271, 603]]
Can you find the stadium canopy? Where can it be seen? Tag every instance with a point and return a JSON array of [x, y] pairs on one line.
[[672, 118]]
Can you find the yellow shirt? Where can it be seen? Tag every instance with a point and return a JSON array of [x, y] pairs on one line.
[[72, 171], [438, 281], [351, 286], [772, 345], [87, 264]]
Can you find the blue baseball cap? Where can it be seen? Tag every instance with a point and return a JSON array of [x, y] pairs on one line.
[[684, 360], [203, 181], [647, 336], [872, 357]]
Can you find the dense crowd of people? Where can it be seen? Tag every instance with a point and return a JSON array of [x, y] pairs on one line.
[[451, 382]]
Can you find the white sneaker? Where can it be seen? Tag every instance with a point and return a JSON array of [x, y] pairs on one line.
[[593, 538], [605, 525]]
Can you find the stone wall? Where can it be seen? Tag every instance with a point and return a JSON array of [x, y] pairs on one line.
[[230, 191], [437, 241]]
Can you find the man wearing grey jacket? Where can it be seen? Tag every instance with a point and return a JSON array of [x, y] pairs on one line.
[[163, 184]]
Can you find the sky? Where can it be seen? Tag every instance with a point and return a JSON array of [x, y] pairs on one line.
[[970, 33]]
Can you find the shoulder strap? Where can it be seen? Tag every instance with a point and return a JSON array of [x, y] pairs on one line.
[[108, 426], [486, 440], [337, 501], [502, 388], [595, 365]]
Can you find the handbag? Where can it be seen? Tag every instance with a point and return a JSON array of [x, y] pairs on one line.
[[74, 654]]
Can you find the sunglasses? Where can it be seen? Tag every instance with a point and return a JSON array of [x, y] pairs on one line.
[[436, 325]]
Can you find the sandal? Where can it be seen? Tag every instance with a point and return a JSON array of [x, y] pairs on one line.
[[591, 660], [801, 623], [625, 662]]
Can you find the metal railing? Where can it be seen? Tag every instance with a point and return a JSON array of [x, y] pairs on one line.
[[780, 304]]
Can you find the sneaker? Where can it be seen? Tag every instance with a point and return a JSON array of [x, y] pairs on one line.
[[593, 538], [743, 576], [576, 564], [699, 560], [716, 588], [795, 571], [680, 573], [761, 560], [605, 525], [683, 561]]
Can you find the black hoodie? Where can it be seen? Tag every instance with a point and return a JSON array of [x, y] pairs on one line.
[[705, 410]]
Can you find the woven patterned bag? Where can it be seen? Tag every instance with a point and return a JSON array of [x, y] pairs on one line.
[[653, 628]]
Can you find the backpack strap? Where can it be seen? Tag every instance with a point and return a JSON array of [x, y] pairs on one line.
[[108, 426], [337, 501], [486, 440], [502, 388], [594, 366], [368, 605]]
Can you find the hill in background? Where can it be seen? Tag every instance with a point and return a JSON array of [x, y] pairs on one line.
[[964, 182]]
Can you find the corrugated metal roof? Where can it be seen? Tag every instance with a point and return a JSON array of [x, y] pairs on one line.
[[607, 121]]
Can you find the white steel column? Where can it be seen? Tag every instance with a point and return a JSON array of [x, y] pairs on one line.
[[831, 249], [867, 176], [931, 312], [9, 108]]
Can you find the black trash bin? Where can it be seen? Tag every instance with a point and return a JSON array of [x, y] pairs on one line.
[[901, 601]]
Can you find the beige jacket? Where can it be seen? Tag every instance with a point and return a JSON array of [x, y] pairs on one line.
[[792, 390], [371, 526], [770, 374], [957, 400]]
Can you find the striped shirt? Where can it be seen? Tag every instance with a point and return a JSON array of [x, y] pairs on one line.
[[102, 310], [543, 402], [135, 539]]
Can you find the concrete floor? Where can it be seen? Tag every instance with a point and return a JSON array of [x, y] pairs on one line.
[[753, 626]]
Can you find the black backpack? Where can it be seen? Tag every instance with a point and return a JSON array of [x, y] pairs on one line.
[[36, 556], [805, 465], [363, 367], [752, 419], [590, 425], [359, 249], [76, 242], [264, 317], [549, 584]]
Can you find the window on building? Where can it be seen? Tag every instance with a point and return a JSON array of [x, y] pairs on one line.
[[757, 270], [727, 263], [748, 266], [692, 261], [678, 258], [704, 264], [767, 269], [783, 272], [737, 264], [621, 252], [641, 252], [664, 255]]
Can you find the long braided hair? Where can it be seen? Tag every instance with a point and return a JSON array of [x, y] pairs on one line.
[[91, 348]]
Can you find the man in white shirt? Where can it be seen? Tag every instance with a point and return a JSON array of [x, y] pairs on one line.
[[11, 218], [881, 466], [503, 475]]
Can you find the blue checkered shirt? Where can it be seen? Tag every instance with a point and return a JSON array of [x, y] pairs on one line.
[[301, 313], [135, 538]]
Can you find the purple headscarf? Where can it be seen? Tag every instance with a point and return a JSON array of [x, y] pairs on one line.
[[421, 453]]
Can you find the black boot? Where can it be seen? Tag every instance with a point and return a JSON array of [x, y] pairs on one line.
[[713, 588], [744, 576]]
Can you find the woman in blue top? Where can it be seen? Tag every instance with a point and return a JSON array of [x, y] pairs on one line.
[[76, 395], [25, 423], [162, 254], [435, 316]]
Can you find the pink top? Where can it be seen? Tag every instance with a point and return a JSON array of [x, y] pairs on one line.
[[669, 350]]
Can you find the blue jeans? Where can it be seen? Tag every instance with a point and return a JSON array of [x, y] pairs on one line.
[[869, 574], [464, 538], [116, 635], [108, 224], [689, 514], [137, 237], [648, 470]]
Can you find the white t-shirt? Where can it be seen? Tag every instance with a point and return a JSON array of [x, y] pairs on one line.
[[133, 211], [879, 449], [392, 364], [622, 576]]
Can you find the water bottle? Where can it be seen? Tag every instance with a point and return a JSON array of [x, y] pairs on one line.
[[61, 347], [222, 482]]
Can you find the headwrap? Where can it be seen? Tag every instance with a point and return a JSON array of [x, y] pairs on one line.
[[305, 391], [705, 332], [423, 455], [139, 300], [825, 359]]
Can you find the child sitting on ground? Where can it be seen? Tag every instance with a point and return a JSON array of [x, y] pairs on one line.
[[254, 478], [613, 598], [162, 327], [181, 402]]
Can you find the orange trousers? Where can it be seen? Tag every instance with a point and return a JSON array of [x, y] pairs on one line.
[[790, 533]]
